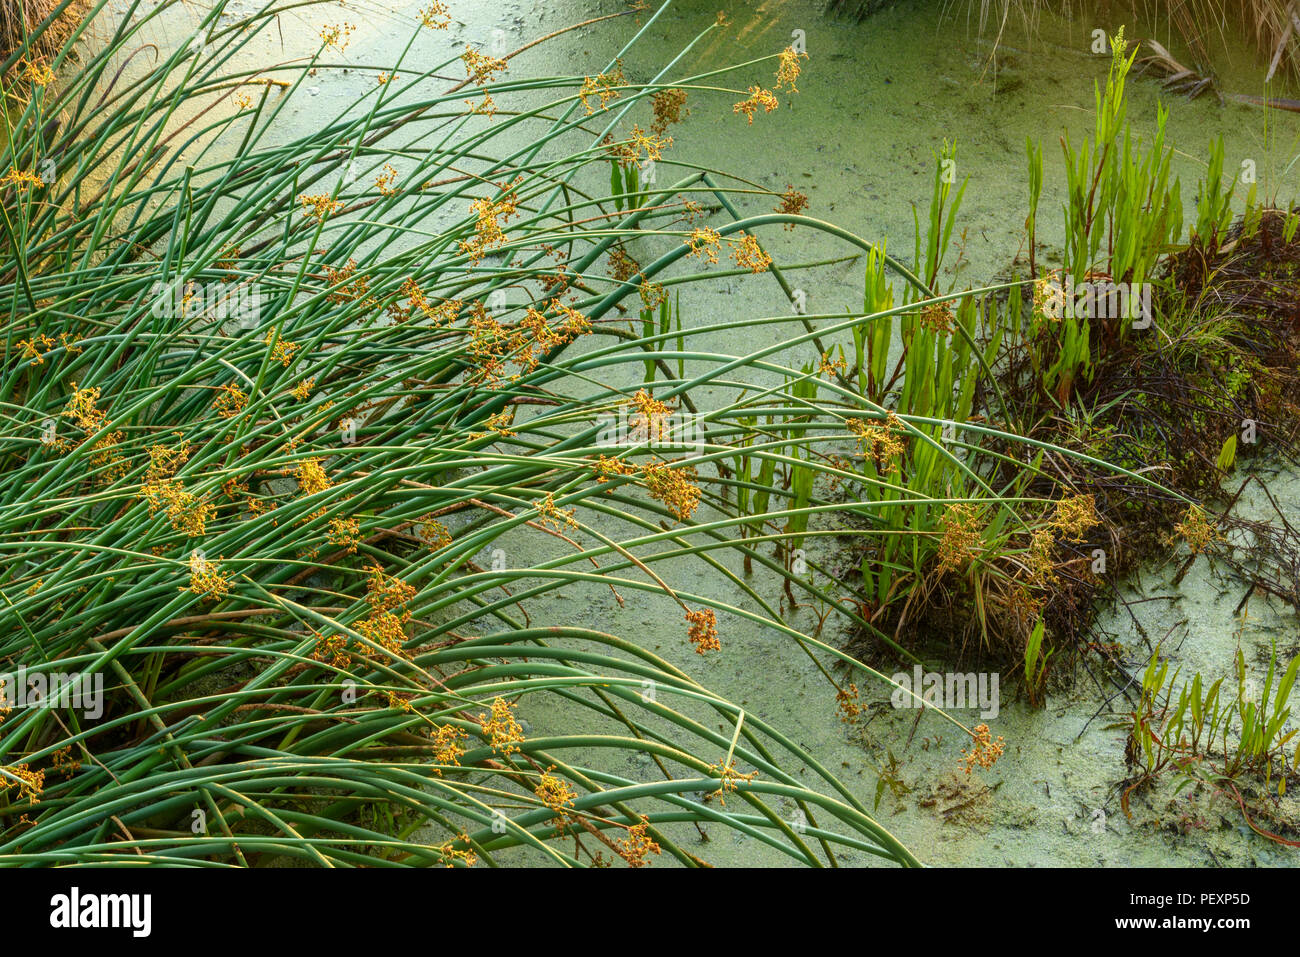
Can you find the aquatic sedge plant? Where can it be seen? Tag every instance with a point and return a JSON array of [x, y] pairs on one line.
[[1213, 736], [1122, 213], [370, 612], [292, 505]]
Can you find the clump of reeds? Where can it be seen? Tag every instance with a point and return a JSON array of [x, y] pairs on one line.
[[1228, 738], [1098, 429], [297, 491]]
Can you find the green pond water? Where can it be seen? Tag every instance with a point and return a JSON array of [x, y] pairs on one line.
[[875, 101]]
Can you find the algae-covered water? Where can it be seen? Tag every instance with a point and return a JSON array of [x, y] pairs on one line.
[[876, 100]]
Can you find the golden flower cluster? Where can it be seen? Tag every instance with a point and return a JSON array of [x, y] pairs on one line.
[[443, 314], [21, 180], [435, 15], [32, 347], [702, 630], [164, 462], [749, 255], [384, 182], [651, 144], [619, 150], [433, 533], [493, 344], [490, 347], [490, 215], [499, 423], [386, 624], [649, 409], [986, 751], [344, 533], [653, 295], [500, 726], [386, 592], [234, 489], [107, 462], [64, 763], [556, 283], [1040, 558], [28, 782], [399, 700], [937, 317], [962, 537], [793, 203], [479, 67], [554, 791], [36, 71], [728, 777], [1196, 530], [758, 97], [336, 35], [601, 87], [606, 466], [82, 409], [446, 312], [787, 70], [549, 514], [415, 297], [639, 147], [320, 206], [346, 285], [1046, 289], [548, 337], [849, 705], [451, 855], [668, 106], [621, 265], [447, 747], [704, 243], [1074, 516], [230, 401], [486, 108], [186, 512], [206, 579], [282, 350], [228, 258], [881, 442], [829, 367], [674, 487], [311, 476], [636, 845], [333, 649]]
